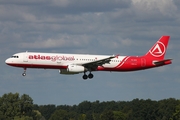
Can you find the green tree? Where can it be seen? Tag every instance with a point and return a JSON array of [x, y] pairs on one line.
[[37, 115], [59, 115], [2, 117], [9, 105], [118, 115], [166, 108], [26, 104], [13, 106], [45, 110], [107, 115], [82, 117], [176, 114], [96, 116], [23, 118], [84, 107]]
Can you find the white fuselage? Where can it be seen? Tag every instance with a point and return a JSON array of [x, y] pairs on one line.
[[57, 60]]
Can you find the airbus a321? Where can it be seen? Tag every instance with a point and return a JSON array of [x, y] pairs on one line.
[[70, 64]]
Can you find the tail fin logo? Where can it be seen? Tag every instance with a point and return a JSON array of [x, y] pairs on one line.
[[158, 50]]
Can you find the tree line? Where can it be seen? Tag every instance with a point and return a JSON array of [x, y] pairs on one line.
[[21, 107]]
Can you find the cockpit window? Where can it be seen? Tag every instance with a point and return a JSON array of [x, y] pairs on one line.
[[14, 56]]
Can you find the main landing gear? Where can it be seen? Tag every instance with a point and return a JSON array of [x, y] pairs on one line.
[[24, 73], [90, 76]]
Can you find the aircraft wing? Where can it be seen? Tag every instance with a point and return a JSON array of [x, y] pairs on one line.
[[94, 64]]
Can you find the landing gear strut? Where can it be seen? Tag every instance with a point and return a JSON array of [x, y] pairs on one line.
[[24, 73]]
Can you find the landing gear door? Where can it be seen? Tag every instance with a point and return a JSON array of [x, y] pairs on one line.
[[25, 57]]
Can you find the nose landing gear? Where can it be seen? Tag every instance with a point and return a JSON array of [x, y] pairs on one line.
[[24, 73]]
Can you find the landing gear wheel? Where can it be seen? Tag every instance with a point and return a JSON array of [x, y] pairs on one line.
[[24, 74], [90, 76], [85, 77]]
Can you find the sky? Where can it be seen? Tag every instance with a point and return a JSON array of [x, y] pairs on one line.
[[125, 27]]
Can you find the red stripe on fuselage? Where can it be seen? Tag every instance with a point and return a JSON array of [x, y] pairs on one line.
[[118, 67], [122, 62], [38, 66]]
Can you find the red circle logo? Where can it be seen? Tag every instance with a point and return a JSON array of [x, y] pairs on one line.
[[158, 50]]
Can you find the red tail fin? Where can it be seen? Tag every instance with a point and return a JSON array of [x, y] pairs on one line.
[[158, 51]]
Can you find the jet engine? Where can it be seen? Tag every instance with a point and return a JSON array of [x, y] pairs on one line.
[[72, 69]]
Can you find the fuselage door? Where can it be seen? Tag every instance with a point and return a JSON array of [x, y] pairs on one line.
[[25, 57], [143, 62]]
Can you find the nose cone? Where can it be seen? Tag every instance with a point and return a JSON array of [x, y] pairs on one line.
[[7, 61]]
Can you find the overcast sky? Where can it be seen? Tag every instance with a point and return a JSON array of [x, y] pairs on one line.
[[125, 27]]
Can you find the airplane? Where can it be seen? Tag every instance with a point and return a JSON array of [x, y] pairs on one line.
[[70, 64]]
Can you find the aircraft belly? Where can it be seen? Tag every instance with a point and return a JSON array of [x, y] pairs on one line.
[[38, 64]]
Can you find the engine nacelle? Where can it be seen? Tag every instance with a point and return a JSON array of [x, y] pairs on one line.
[[72, 69], [75, 68]]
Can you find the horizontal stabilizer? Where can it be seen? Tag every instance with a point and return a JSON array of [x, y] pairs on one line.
[[163, 62]]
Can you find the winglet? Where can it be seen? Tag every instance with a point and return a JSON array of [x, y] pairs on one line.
[[116, 56]]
